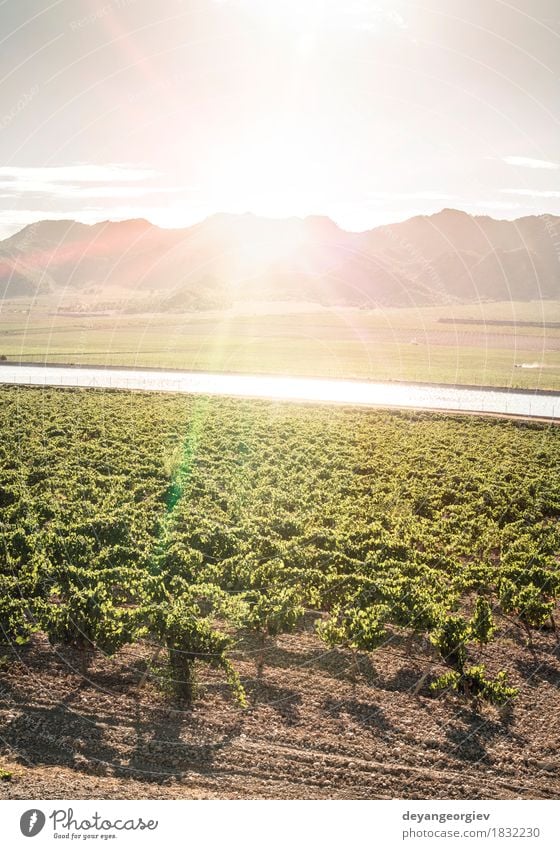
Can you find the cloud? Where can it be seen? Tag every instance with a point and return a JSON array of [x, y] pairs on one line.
[[368, 15], [365, 15], [528, 162], [373, 20], [85, 191], [420, 195], [81, 181], [77, 173], [489, 205], [532, 193]]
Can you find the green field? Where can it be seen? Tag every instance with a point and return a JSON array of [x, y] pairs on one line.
[[392, 344], [183, 521], [206, 598]]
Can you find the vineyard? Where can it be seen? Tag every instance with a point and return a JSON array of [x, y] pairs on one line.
[[196, 538]]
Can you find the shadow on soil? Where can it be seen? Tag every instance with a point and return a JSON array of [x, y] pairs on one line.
[[152, 745]]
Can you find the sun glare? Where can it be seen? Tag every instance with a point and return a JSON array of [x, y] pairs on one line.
[[271, 176], [292, 159], [312, 15]]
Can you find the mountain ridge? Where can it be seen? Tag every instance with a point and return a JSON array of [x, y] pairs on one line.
[[447, 257]]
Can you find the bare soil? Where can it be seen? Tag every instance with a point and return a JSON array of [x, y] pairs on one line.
[[317, 727]]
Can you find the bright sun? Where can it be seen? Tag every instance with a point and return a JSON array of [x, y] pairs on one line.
[[313, 14], [275, 174], [282, 164], [304, 20]]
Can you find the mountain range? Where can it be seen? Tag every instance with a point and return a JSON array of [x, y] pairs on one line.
[[448, 257]]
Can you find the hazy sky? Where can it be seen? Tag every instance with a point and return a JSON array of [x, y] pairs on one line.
[[368, 111]]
